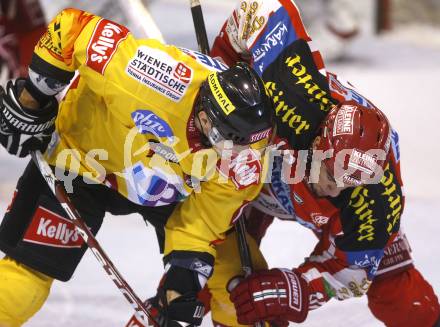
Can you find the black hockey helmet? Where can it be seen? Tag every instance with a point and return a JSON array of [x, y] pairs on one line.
[[237, 104]]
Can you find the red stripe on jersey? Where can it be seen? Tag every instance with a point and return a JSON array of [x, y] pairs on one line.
[[238, 212], [300, 30], [75, 82], [216, 242], [295, 18], [319, 61]]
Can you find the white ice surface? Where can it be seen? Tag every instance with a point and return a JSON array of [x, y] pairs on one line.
[[400, 73]]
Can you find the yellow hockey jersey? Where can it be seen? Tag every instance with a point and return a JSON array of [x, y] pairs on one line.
[[127, 121]]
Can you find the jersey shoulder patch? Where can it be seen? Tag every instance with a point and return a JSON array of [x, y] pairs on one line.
[[104, 42]]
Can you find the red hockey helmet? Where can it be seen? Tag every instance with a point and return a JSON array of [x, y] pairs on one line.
[[360, 139]]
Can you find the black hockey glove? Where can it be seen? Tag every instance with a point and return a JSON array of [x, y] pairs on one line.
[[184, 310], [23, 130], [167, 315]]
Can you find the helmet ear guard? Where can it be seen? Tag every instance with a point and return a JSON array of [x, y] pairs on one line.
[[360, 139]]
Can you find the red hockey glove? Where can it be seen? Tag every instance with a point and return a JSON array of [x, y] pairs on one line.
[[270, 295]]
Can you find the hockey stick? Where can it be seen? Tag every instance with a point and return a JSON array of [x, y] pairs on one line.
[[199, 26], [240, 228], [60, 193], [137, 12], [245, 255]]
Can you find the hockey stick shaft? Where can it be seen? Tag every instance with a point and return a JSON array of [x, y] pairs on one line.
[[243, 248], [199, 26], [60, 193], [240, 228], [245, 255], [202, 40]]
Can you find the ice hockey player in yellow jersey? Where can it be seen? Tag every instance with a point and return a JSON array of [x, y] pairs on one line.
[[143, 127]]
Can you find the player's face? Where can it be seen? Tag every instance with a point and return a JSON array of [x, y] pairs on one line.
[[219, 143], [327, 185]]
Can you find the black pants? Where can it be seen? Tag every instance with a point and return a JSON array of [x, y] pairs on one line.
[[37, 232]]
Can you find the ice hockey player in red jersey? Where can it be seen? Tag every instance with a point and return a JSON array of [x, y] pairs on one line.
[[361, 248]]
